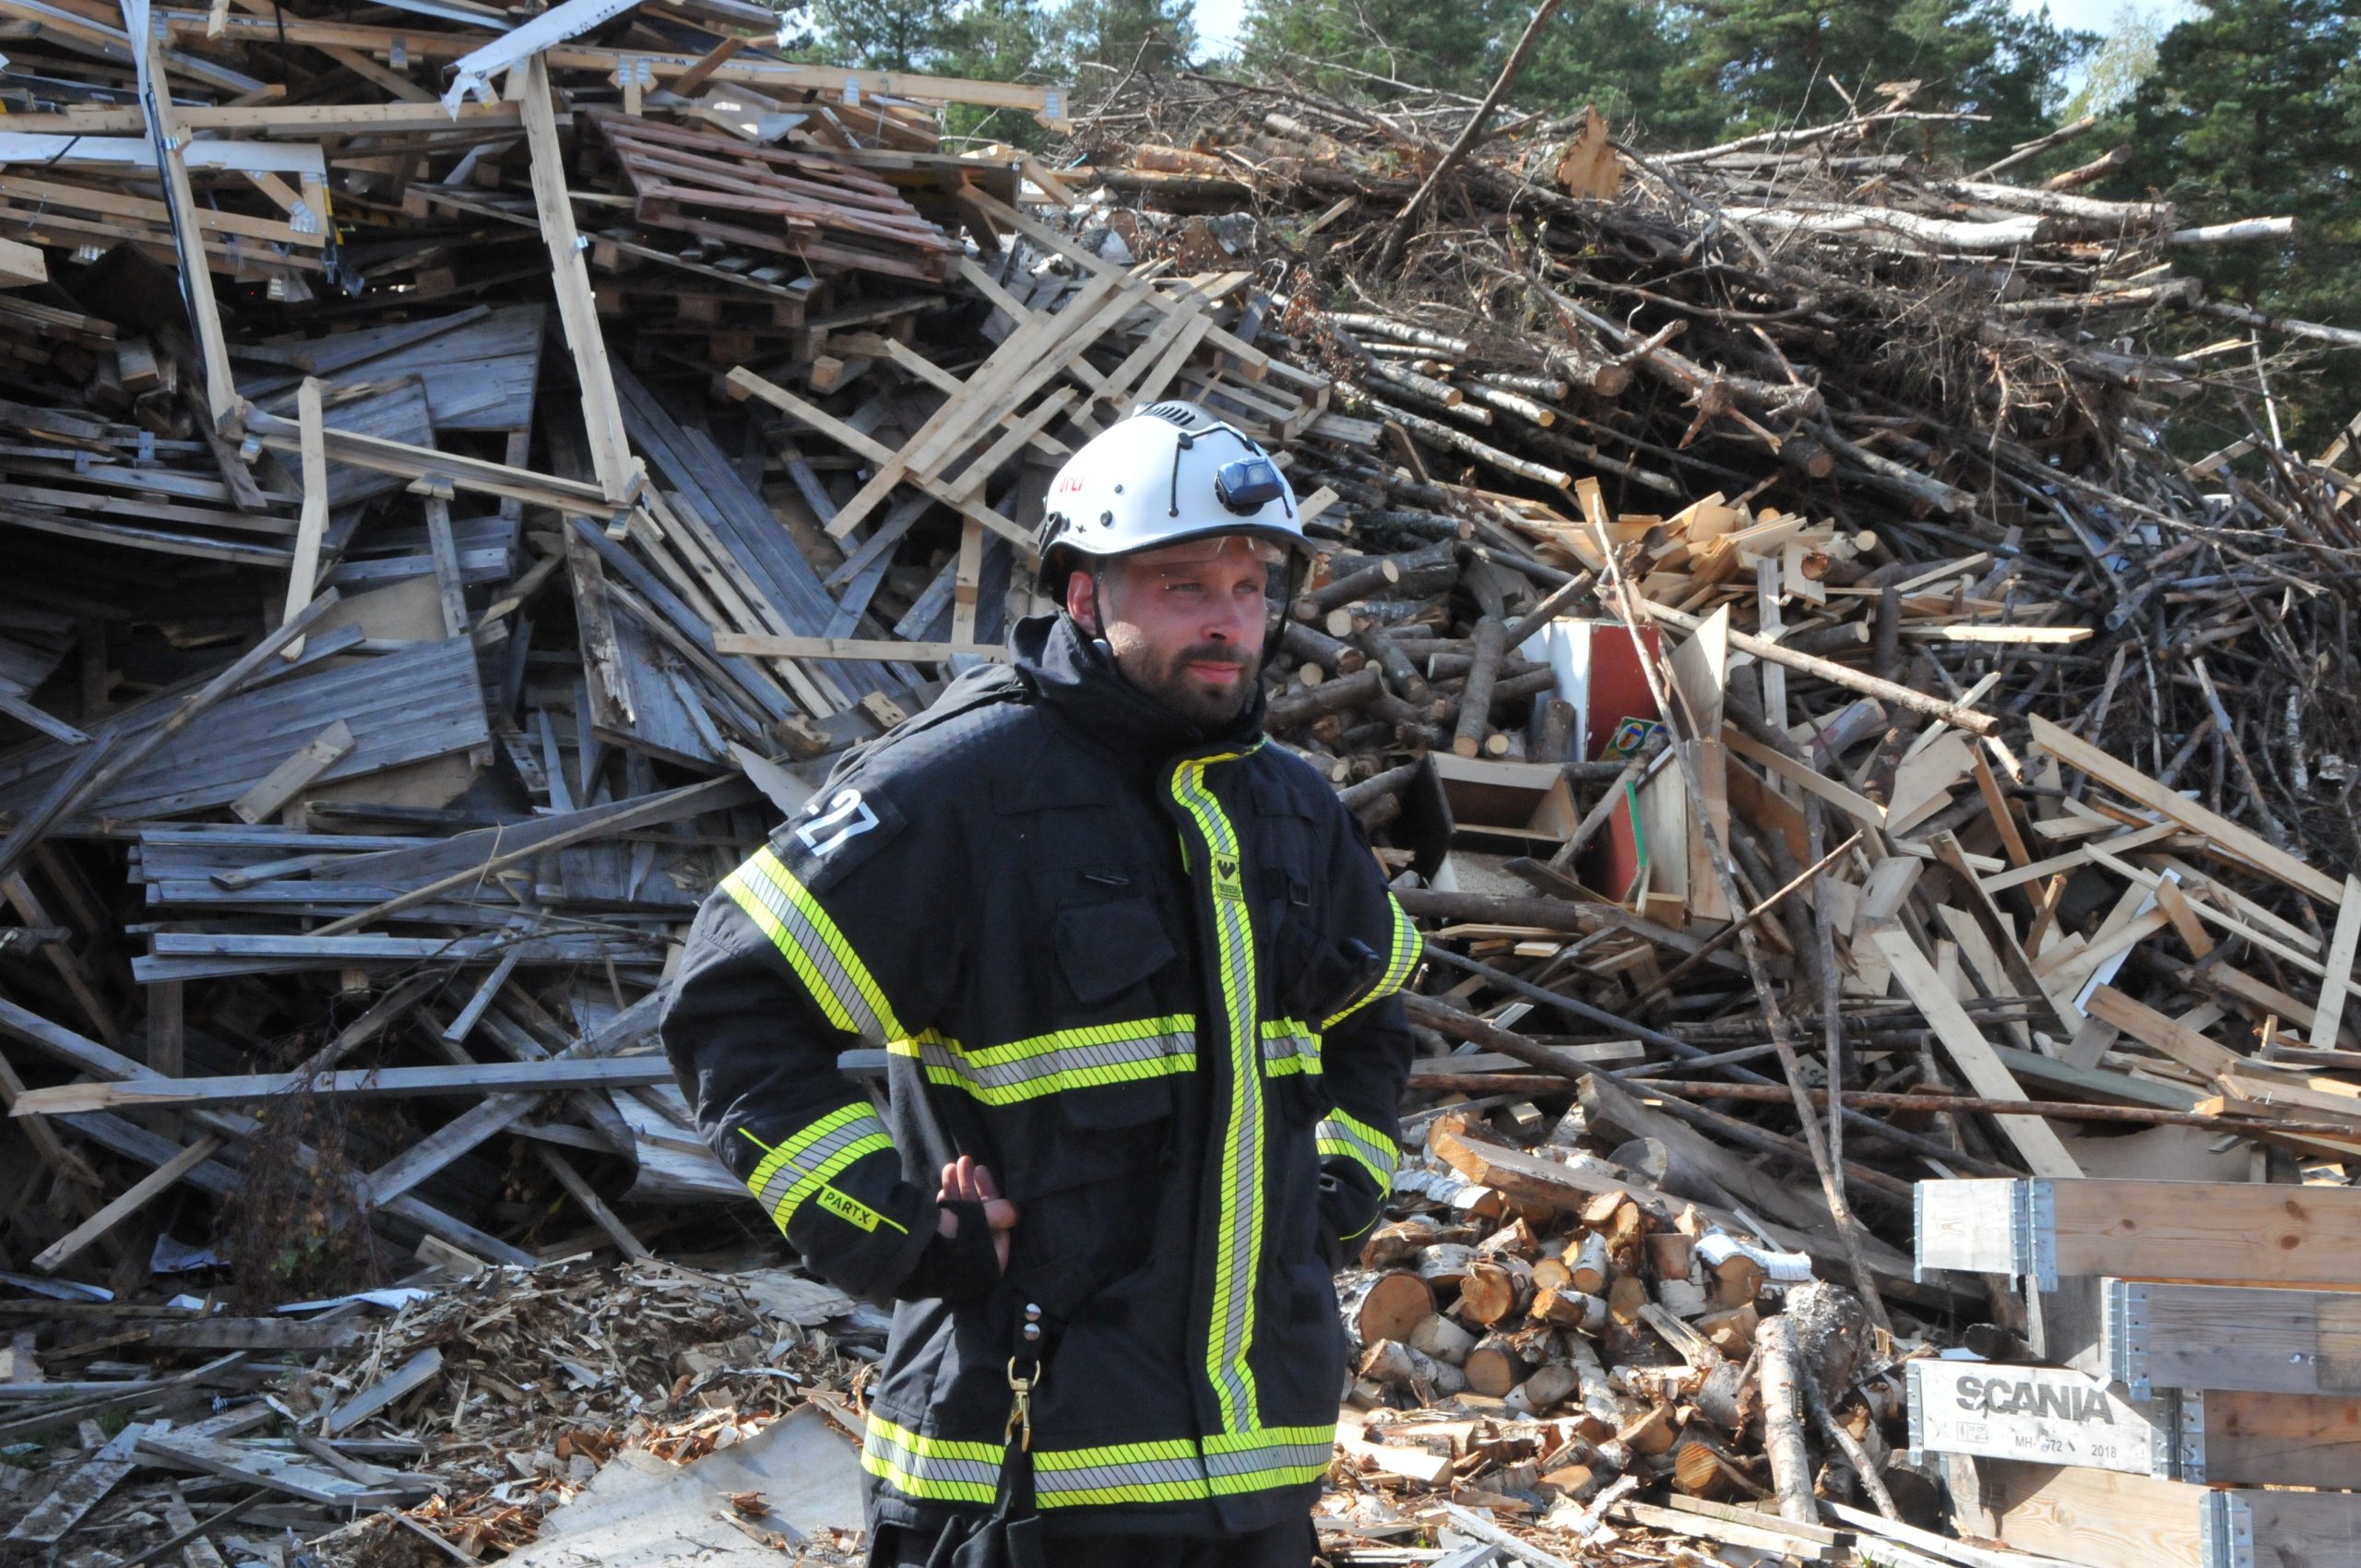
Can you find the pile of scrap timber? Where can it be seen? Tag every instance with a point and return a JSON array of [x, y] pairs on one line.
[[467, 477]]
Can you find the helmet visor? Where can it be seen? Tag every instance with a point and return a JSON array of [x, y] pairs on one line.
[[1197, 551]]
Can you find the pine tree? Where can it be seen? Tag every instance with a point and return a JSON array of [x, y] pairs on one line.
[[1002, 40], [1773, 62], [878, 35], [2255, 110], [1620, 56], [1116, 36], [1340, 46]]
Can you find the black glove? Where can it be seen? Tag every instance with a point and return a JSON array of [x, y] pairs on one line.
[[955, 1269], [1344, 1222]]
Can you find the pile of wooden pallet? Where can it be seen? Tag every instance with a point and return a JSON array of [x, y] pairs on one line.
[[467, 479], [2197, 1402]]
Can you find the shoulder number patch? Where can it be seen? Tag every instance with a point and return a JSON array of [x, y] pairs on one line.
[[847, 817], [835, 832]]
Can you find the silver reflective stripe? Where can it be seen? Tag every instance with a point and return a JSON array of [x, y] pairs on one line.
[[1290, 1047], [785, 1170], [1357, 1140], [1238, 1242], [813, 952], [1109, 1054], [1274, 1454]]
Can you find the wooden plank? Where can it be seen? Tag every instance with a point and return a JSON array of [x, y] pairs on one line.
[[277, 787], [126, 1204], [2254, 1339], [2169, 1036], [767, 645], [2337, 981], [2256, 1438], [2044, 1414], [262, 1468], [624, 1072], [413, 1373], [2098, 1519], [47, 1521], [2095, 1518], [577, 309], [196, 281], [2227, 835], [2264, 1000], [1859, 807], [745, 383], [2227, 1232], [2044, 1151]]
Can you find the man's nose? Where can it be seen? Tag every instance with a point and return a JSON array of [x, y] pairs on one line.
[[1228, 619]]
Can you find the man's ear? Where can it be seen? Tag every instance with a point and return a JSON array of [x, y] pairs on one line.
[[1082, 602]]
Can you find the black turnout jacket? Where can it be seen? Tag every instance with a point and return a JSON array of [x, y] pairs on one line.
[[1144, 972]]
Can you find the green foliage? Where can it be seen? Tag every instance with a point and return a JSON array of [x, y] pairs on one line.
[[881, 35], [1114, 36], [2125, 57], [1765, 62], [1337, 45], [1618, 55], [2255, 110]]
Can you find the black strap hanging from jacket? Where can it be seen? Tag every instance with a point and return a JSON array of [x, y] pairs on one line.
[[1011, 1537]]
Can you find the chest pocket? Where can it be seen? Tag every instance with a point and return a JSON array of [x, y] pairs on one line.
[[1092, 1103], [1108, 946]]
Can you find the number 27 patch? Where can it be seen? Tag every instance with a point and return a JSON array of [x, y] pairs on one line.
[[837, 830]]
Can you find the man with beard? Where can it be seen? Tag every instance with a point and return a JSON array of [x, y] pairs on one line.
[[1133, 970]]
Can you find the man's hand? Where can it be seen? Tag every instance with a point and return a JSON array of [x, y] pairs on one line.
[[964, 1181]]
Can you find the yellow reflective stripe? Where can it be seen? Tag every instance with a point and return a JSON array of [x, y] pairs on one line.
[[1290, 1045], [794, 1171], [1238, 1240], [1067, 1059], [930, 1467], [1398, 964], [1174, 1470], [1355, 1139], [822, 959]]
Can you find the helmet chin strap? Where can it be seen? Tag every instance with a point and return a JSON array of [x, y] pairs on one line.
[[1098, 615]]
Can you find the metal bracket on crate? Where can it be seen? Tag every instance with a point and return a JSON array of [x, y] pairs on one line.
[[2033, 1234], [2126, 1335], [2226, 1524]]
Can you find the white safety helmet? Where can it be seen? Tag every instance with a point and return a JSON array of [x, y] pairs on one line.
[[1170, 473]]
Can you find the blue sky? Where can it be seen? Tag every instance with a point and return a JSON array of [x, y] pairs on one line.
[[1218, 20]]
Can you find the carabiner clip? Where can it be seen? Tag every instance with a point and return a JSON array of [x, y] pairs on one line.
[[1020, 1409]]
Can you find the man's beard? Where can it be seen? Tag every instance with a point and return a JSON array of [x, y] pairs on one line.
[[1171, 683]]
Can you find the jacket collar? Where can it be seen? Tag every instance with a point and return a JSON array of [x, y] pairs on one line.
[[1077, 678]]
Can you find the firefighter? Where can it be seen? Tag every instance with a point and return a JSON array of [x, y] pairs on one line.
[[1134, 972]]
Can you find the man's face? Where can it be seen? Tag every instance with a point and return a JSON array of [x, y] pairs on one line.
[[1186, 624]]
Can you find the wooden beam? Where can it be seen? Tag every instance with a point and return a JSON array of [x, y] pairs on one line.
[[765, 645], [2171, 1334], [311, 526], [361, 1082], [21, 265], [2227, 837], [2166, 1036], [277, 787], [126, 1204], [2336, 983], [2227, 1232], [221, 398], [2043, 1152], [577, 309]]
